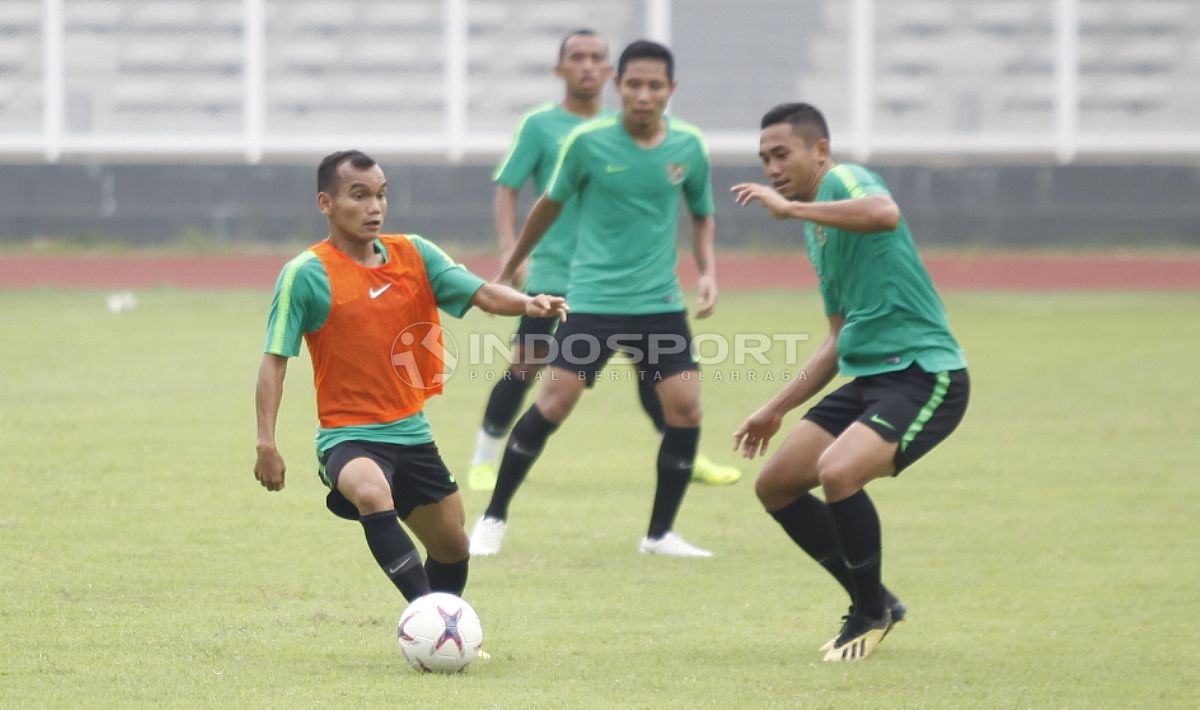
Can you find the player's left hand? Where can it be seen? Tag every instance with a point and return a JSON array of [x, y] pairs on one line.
[[747, 192], [755, 433], [543, 306], [707, 295]]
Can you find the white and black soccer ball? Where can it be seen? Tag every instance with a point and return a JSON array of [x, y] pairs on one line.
[[439, 633]]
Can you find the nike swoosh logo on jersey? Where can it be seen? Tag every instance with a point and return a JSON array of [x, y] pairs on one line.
[[615, 168], [376, 293]]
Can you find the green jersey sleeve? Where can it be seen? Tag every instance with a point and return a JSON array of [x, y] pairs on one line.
[[300, 305], [453, 285], [697, 183], [524, 154]]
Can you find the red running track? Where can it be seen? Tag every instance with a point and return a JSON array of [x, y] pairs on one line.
[[734, 271]]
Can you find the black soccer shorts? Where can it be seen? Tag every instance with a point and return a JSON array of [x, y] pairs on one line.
[[658, 344], [416, 474], [915, 408]]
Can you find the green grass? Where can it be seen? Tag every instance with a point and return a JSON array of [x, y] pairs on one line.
[[1045, 549]]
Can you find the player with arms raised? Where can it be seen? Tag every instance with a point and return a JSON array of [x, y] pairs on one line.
[[888, 330]]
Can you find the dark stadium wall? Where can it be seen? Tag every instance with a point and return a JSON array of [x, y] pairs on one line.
[[221, 206]]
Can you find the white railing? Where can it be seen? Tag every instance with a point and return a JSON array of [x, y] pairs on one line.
[[452, 136]]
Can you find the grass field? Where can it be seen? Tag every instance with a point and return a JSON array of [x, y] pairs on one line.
[[1045, 550]]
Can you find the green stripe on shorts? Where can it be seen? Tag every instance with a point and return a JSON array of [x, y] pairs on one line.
[[935, 401], [321, 469]]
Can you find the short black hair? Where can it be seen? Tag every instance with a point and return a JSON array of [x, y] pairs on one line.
[[581, 32], [806, 120], [327, 170], [645, 49]]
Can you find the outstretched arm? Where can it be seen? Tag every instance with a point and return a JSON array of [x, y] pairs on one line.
[[704, 232], [541, 216], [505, 301], [504, 215], [755, 433], [269, 467], [873, 213]]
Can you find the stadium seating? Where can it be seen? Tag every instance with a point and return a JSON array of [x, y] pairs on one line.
[[988, 65], [20, 66], [939, 65]]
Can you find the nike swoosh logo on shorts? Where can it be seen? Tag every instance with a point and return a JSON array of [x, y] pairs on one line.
[[882, 422]]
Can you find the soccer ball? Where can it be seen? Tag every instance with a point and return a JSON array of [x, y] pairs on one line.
[[439, 633]]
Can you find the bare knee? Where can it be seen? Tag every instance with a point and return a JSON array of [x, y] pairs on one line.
[[453, 546], [558, 395], [776, 486], [554, 410], [838, 481], [768, 491], [686, 415], [368, 495], [523, 372]]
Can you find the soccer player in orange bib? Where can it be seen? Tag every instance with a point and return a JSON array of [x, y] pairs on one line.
[[367, 306]]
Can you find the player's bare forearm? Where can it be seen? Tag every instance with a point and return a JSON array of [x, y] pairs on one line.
[[704, 232], [873, 213], [502, 300], [819, 371], [269, 467], [870, 214], [754, 435], [268, 395], [504, 215], [541, 216], [704, 236]]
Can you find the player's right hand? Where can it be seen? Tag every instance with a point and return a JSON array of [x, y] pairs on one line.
[[269, 469], [755, 433], [544, 306]]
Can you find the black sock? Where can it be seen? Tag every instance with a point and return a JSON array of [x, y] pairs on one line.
[[525, 444], [395, 553], [810, 525], [447, 576], [504, 403], [675, 456], [858, 529], [650, 401]]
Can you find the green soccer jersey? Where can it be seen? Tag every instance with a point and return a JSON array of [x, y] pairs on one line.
[[302, 303], [877, 283], [628, 211], [534, 153]]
